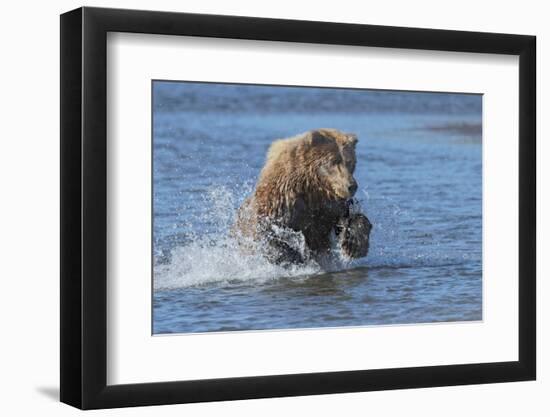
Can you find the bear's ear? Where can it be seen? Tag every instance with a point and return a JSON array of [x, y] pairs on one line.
[[317, 138]]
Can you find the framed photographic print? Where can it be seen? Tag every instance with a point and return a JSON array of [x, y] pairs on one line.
[[258, 207]]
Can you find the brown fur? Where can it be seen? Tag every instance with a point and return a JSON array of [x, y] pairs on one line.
[[305, 186]]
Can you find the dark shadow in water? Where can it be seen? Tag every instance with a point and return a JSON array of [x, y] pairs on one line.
[[50, 392], [460, 128]]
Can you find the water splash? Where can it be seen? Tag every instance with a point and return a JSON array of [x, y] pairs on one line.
[[215, 255], [211, 255]]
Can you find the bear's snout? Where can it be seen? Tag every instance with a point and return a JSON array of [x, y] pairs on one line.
[[352, 189]]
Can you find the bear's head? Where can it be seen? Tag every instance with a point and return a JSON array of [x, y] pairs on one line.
[[331, 155], [315, 168]]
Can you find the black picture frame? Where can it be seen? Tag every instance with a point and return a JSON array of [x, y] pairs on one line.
[[84, 207]]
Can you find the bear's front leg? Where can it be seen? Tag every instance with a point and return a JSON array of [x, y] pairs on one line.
[[283, 246], [280, 252], [353, 235]]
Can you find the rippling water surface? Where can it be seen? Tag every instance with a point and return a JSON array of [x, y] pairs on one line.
[[419, 171]]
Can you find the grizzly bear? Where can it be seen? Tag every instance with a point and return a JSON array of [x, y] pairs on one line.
[[304, 195]]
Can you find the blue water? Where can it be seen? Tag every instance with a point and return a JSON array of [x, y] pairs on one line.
[[419, 169]]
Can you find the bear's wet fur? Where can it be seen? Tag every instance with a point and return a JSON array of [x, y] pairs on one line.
[[302, 197]]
